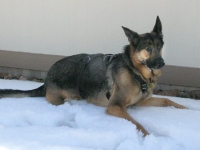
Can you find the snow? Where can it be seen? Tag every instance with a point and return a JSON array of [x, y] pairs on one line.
[[34, 124]]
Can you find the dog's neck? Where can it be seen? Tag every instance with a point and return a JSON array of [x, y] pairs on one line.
[[146, 73], [127, 57]]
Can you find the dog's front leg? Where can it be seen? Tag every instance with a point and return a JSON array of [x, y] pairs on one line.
[[118, 111], [162, 102]]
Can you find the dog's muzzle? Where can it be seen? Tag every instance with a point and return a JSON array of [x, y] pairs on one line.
[[159, 64], [156, 64]]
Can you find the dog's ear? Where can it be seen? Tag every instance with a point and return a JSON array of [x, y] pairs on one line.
[[133, 37], [158, 27]]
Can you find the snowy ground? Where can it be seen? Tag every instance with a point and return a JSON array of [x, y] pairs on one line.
[[34, 124]]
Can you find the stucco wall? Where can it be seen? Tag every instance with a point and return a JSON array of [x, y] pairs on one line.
[[66, 27]]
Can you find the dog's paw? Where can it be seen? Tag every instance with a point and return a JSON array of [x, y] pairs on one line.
[[143, 131], [181, 107]]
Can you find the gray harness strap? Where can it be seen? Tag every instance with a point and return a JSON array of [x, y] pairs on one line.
[[107, 59]]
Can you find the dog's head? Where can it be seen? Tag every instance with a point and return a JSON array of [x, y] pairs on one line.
[[147, 47]]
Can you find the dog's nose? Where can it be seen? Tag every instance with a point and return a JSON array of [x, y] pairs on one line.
[[160, 63]]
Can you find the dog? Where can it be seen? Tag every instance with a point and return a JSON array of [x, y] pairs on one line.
[[113, 81]]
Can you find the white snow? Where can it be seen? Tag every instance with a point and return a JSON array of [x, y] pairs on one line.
[[34, 124]]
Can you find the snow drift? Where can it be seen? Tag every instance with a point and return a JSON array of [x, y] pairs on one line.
[[34, 124]]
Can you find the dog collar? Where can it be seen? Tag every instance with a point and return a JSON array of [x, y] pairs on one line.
[[143, 84]]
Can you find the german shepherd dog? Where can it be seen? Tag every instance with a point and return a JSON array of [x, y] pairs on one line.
[[114, 81]]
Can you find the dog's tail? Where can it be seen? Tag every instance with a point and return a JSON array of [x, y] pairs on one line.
[[38, 92]]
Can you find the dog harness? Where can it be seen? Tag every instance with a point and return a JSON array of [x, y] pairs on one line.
[[107, 59], [144, 86]]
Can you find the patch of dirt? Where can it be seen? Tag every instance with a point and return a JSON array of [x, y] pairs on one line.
[[9, 76], [195, 94]]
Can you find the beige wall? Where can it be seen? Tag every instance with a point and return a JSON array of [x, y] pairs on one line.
[[66, 27]]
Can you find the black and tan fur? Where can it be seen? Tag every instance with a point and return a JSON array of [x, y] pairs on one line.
[[113, 81]]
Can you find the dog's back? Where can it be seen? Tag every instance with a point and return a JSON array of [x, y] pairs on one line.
[[80, 76]]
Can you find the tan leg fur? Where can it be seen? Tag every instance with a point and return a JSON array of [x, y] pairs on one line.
[[162, 102], [121, 112]]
